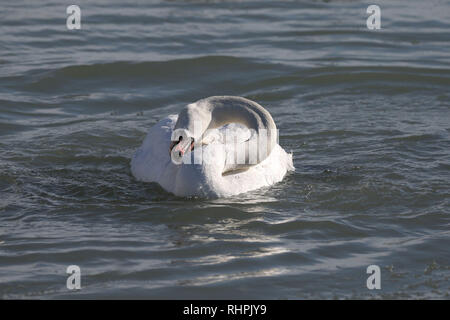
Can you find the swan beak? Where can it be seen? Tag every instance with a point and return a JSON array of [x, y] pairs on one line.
[[181, 147]]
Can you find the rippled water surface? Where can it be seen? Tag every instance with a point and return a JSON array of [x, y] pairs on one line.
[[365, 113]]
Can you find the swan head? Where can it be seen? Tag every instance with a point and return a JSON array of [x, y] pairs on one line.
[[192, 122], [182, 145]]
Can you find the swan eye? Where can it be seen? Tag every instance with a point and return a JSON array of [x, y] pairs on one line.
[[180, 138]]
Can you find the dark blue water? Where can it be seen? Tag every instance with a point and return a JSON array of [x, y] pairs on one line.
[[365, 113]]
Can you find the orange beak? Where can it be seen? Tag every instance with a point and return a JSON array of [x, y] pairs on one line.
[[181, 147]]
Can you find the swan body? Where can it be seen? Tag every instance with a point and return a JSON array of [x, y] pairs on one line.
[[215, 175]]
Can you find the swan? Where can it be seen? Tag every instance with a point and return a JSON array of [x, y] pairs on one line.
[[216, 147]]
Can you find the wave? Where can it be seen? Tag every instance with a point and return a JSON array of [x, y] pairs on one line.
[[219, 70]]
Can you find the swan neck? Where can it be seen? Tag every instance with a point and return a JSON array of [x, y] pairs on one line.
[[225, 110]]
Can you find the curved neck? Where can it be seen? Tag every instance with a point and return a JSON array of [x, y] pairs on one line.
[[222, 110], [226, 110]]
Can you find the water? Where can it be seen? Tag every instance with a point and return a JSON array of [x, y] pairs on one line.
[[365, 113]]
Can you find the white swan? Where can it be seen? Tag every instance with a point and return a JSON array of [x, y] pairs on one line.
[[207, 124]]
